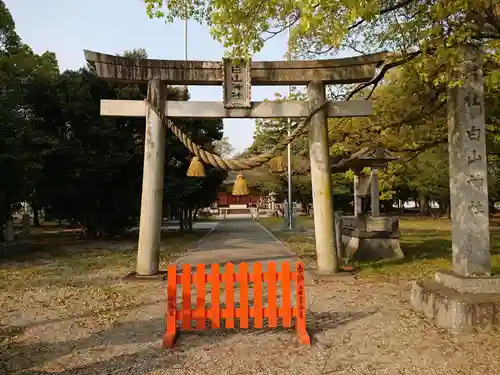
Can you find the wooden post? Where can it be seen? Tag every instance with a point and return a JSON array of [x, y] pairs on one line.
[[321, 179], [148, 253], [375, 194], [468, 171]]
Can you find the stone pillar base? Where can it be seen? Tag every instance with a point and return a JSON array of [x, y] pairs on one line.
[[133, 276], [458, 304], [328, 276], [373, 249]]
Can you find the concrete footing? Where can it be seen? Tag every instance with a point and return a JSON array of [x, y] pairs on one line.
[[476, 307], [160, 276], [324, 276]]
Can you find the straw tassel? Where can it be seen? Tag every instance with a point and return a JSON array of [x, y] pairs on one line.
[[277, 164], [196, 168], [240, 186]]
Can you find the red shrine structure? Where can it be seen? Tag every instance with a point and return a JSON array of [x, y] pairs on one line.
[[225, 198]]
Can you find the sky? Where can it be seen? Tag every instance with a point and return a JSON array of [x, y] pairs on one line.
[[67, 27]]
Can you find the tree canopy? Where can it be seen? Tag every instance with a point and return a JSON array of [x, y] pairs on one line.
[[325, 27], [58, 153]]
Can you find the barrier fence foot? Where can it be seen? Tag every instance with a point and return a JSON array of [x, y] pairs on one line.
[[169, 340], [304, 337]]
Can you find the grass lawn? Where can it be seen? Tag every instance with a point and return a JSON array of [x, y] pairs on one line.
[[426, 244], [58, 259], [56, 277]]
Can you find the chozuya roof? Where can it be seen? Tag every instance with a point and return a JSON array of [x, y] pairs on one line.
[[366, 157]]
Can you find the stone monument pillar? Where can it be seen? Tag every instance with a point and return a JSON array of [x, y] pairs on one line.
[[468, 174], [467, 297]]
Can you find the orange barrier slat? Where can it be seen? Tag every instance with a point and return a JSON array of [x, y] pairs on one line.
[[257, 296], [243, 310], [186, 296], [199, 280], [229, 286], [301, 305], [215, 296], [272, 298], [286, 293]]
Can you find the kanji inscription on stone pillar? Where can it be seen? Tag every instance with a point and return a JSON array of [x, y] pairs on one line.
[[237, 83], [468, 173]]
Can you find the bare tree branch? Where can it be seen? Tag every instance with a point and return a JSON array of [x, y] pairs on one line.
[[283, 28], [385, 68], [392, 8]]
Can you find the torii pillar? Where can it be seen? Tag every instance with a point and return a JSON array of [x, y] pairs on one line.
[[321, 179], [148, 253]]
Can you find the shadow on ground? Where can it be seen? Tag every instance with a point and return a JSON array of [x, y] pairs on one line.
[[63, 246], [20, 358]]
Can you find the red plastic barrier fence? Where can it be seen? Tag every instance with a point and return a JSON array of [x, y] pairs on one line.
[[215, 313]]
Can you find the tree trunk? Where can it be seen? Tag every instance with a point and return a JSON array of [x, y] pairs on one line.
[[36, 217], [181, 219], [491, 208], [424, 205], [89, 229], [442, 207], [190, 219], [186, 219]]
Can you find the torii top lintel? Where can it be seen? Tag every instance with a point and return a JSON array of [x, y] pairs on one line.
[[265, 73]]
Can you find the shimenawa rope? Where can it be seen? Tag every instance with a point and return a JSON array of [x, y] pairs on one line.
[[233, 164]]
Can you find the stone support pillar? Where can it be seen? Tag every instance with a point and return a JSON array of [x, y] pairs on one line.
[[468, 172], [358, 203], [321, 178], [152, 186], [375, 195]]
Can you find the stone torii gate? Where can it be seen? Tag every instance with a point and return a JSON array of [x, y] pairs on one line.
[[236, 79]]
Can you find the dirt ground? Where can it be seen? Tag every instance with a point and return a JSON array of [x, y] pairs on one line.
[[70, 313]]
